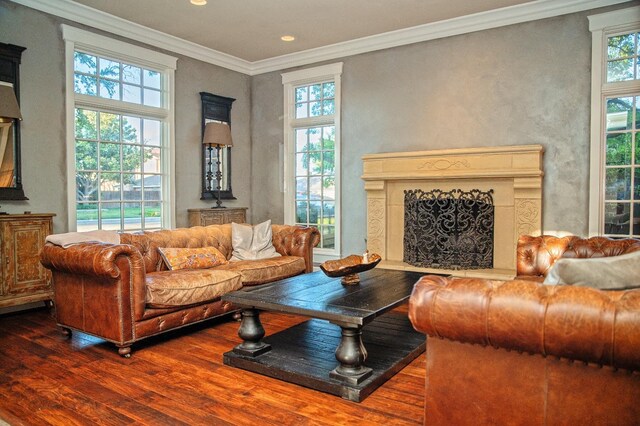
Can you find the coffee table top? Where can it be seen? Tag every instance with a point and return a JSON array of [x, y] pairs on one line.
[[319, 296]]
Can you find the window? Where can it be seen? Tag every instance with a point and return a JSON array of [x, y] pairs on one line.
[[312, 153], [120, 116], [615, 125]]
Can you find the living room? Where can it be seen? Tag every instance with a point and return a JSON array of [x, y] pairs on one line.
[[509, 74]]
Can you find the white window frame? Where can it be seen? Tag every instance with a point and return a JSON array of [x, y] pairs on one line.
[[603, 26], [290, 80], [75, 38]]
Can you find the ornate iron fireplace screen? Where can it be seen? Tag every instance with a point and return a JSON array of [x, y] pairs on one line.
[[449, 230]]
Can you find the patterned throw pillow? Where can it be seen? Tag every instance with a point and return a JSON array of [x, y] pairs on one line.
[[191, 258]]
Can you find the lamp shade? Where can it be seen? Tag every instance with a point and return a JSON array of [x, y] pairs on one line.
[[217, 134], [8, 103]]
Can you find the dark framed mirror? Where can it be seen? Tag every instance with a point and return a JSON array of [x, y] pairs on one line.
[[216, 108], [10, 165]]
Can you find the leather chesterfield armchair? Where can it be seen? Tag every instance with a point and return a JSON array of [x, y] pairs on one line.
[[524, 353]]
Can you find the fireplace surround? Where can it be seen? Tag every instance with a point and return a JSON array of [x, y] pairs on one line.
[[514, 173]]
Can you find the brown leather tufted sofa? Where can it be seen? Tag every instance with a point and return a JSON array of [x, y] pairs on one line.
[[523, 353], [100, 289]]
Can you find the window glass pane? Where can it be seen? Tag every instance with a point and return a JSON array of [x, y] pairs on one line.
[[131, 74], [131, 129], [315, 189], [151, 79], [302, 94], [637, 149], [618, 149], [619, 113], [301, 110], [86, 155], [152, 160], [131, 93], [328, 212], [329, 137], [87, 216], [152, 98], [131, 158], [329, 90], [301, 188], [328, 107], [329, 188], [328, 237], [315, 92], [152, 132], [636, 184], [302, 165], [109, 127], [132, 186], [314, 139], [110, 156], [132, 216], [84, 63], [110, 186], [314, 212], [315, 109], [620, 70], [621, 46], [152, 215], [301, 140], [111, 216], [86, 186], [152, 187], [109, 89], [109, 69], [315, 162], [85, 85], [616, 218], [301, 212], [618, 184], [86, 124]]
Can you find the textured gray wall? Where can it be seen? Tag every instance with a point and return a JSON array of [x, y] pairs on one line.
[[516, 85], [42, 94]]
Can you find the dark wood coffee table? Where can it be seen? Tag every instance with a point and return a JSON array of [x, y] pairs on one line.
[[369, 347]]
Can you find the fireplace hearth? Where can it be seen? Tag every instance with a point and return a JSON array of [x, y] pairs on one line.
[[449, 229]]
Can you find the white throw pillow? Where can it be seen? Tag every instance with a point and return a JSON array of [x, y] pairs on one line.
[[606, 273], [252, 242]]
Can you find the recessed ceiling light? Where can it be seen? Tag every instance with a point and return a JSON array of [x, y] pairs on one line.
[[287, 38], [199, 2]]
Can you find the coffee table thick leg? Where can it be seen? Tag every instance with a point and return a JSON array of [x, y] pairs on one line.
[[351, 354], [251, 332]]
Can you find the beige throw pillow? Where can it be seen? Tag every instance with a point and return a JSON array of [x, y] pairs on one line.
[[252, 242], [605, 273]]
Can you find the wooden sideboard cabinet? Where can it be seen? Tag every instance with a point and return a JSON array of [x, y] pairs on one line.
[[24, 279], [204, 217]]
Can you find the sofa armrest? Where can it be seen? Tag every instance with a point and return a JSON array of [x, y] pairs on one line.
[[578, 323], [88, 258], [109, 273], [290, 240]]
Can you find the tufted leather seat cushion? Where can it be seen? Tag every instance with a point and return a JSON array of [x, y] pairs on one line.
[[189, 286], [266, 270]]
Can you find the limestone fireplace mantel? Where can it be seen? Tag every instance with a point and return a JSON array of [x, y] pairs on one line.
[[513, 172]]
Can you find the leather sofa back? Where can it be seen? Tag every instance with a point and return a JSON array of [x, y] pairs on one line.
[[218, 236], [536, 255]]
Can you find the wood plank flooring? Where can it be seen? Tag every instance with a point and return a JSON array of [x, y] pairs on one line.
[[175, 379]]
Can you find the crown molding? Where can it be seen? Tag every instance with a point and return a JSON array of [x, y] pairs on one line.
[[94, 18], [534, 10]]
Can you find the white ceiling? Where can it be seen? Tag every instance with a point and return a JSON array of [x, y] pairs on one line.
[[244, 35], [251, 29]]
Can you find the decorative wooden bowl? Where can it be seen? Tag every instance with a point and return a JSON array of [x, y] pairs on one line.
[[349, 267]]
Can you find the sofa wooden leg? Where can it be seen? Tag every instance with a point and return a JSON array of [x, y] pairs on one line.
[[237, 316], [66, 332], [124, 351]]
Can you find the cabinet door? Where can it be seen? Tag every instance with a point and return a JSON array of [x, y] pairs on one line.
[[22, 241]]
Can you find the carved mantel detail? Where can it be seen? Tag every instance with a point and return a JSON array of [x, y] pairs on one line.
[[514, 171]]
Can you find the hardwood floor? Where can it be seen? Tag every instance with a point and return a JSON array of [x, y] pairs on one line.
[[174, 379]]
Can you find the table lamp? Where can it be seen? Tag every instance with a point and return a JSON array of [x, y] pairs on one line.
[[216, 134]]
